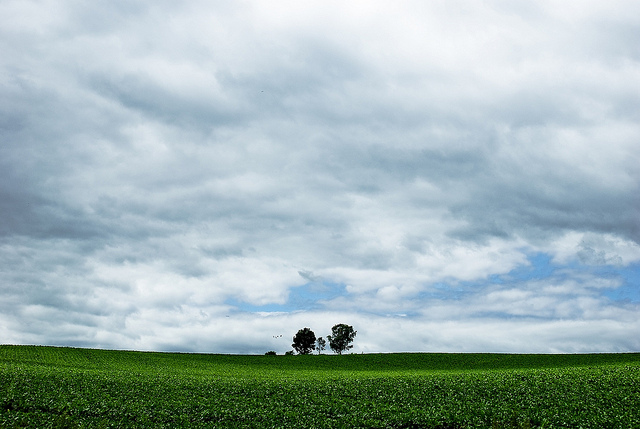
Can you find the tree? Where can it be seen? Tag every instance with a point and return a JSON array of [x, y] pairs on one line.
[[321, 343], [270, 353], [341, 337], [304, 341]]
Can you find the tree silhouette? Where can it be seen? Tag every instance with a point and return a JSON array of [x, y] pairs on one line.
[[304, 342]]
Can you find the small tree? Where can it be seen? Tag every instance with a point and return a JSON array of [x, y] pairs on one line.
[[321, 344], [270, 353], [341, 337], [304, 342]]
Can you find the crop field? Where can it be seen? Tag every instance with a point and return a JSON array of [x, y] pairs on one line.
[[48, 387]]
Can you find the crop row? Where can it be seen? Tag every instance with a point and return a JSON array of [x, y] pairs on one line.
[[601, 397], [61, 387], [71, 359]]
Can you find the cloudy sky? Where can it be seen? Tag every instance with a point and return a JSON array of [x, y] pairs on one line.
[[206, 176]]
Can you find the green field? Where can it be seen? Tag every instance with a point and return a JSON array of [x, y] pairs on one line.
[[52, 387]]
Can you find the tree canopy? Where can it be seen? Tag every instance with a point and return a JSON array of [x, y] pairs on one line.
[[304, 342], [341, 338]]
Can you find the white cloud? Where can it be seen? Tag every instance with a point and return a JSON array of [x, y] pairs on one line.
[[163, 166], [595, 249]]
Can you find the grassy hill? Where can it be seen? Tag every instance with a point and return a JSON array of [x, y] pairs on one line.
[[69, 387]]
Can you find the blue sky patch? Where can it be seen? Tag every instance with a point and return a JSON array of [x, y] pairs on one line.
[[308, 296], [630, 289]]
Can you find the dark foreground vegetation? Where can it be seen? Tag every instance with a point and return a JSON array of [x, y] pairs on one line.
[[47, 387]]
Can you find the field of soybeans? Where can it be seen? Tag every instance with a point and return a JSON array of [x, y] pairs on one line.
[[50, 387]]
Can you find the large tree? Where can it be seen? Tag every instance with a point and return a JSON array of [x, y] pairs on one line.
[[341, 337], [304, 342]]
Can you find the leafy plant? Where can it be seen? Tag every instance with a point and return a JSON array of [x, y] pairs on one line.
[[65, 387]]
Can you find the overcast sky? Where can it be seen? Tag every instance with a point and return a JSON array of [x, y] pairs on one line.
[[448, 176]]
